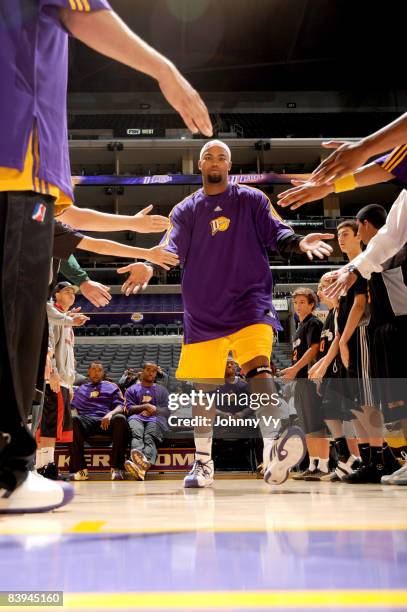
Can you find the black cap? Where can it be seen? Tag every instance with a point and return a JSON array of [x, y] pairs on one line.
[[63, 285]]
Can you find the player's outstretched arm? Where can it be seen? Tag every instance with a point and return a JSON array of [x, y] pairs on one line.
[[95, 221], [307, 191], [105, 32], [349, 156], [158, 254]]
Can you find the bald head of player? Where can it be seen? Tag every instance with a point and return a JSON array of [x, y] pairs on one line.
[[215, 162]]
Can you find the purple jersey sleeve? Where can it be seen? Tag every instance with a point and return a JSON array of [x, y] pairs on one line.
[[131, 397], [51, 8], [270, 226], [178, 236], [395, 163], [117, 398], [81, 6]]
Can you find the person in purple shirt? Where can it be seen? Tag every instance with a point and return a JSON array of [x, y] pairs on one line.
[[146, 405], [35, 183], [221, 234], [100, 407]]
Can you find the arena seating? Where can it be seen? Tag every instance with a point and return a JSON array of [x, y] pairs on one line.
[[251, 125], [118, 357], [168, 302]]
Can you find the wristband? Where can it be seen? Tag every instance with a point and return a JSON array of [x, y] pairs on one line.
[[347, 183]]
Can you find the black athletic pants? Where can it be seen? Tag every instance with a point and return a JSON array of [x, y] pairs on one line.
[[86, 426], [26, 237]]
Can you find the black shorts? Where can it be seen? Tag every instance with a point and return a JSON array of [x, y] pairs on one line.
[[337, 404], [308, 405], [357, 388], [56, 419], [389, 368]]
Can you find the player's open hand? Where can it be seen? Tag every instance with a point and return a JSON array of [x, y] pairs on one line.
[[97, 293], [314, 246], [139, 277], [145, 223], [348, 157], [160, 256], [302, 193], [183, 97], [341, 281]]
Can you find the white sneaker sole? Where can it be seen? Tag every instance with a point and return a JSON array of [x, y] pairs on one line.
[[36, 494], [291, 450], [192, 483]]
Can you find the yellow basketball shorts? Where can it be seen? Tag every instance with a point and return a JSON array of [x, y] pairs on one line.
[[207, 360]]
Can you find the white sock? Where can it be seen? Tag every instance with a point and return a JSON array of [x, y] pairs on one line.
[[48, 454], [203, 446], [313, 464], [323, 465], [40, 458]]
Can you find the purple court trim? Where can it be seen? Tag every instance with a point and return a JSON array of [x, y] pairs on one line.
[[205, 561]]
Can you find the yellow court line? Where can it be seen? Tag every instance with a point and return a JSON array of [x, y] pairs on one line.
[[103, 528], [87, 527], [221, 600]]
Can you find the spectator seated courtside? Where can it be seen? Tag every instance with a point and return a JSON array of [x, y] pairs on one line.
[[100, 407]]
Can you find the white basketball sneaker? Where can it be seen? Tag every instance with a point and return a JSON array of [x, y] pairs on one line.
[[35, 494], [201, 475], [287, 451]]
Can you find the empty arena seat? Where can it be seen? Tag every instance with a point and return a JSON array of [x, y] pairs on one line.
[[91, 330], [114, 330], [103, 330]]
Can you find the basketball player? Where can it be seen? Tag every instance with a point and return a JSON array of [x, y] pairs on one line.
[[355, 368], [221, 233], [325, 373], [388, 320], [307, 401]]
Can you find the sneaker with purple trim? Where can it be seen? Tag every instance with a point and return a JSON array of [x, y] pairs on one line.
[[287, 451], [35, 494]]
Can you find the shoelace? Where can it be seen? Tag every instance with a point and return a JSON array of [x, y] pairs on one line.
[[200, 467]]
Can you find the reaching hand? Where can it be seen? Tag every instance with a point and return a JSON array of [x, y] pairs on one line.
[[183, 97], [302, 193], [288, 373], [149, 224], [79, 319], [313, 245], [96, 293], [138, 278], [348, 157], [161, 257], [341, 281]]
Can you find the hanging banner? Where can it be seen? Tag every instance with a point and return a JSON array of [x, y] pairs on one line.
[[270, 178]]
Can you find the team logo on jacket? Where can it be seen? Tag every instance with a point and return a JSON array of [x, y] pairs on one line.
[[39, 213], [220, 224]]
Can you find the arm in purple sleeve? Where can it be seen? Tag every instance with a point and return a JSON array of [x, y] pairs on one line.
[[177, 238]]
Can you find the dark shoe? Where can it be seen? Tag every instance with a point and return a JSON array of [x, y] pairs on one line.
[[302, 475], [370, 473], [316, 475], [51, 472]]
